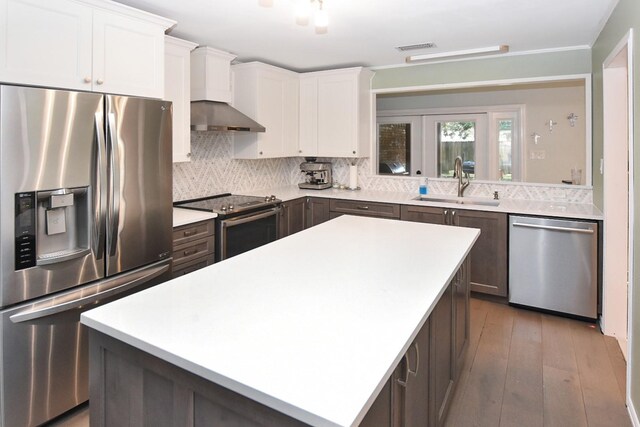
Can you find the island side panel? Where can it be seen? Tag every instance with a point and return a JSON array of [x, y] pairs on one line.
[[130, 387]]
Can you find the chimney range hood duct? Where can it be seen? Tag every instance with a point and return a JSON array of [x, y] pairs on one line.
[[220, 116]]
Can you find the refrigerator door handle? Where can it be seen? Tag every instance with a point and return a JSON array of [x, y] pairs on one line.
[[100, 180], [98, 292], [114, 182]]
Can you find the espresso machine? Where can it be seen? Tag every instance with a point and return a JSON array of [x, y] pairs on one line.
[[317, 175]]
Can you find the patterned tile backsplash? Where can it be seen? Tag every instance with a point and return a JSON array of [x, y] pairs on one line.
[[213, 170]]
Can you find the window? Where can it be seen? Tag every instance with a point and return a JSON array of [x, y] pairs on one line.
[[428, 144], [399, 141], [456, 139]]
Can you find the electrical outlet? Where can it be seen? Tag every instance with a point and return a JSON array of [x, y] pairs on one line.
[[537, 154]]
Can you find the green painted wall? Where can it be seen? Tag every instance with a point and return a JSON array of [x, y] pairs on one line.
[[625, 16], [497, 68]]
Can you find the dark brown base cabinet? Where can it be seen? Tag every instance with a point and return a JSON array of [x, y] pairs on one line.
[[131, 387], [292, 217], [489, 267], [193, 247], [298, 214], [317, 211]]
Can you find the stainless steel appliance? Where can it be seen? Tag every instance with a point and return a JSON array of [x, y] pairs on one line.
[[553, 265], [243, 222], [86, 217], [317, 174]]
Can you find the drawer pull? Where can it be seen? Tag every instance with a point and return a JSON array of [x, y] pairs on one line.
[[363, 208], [188, 233], [190, 252]]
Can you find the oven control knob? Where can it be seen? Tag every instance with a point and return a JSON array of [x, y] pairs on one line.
[[272, 198], [266, 198], [223, 208], [230, 207]]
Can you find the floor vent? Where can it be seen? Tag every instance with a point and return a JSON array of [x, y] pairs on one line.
[[427, 45]]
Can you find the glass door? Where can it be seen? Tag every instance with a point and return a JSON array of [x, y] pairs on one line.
[[450, 136], [399, 145]]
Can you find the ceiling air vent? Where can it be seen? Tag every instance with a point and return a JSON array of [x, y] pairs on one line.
[[427, 45]]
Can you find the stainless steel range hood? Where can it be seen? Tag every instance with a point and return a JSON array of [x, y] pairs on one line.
[[220, 116]]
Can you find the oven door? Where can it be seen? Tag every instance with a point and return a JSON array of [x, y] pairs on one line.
[[243, 233]]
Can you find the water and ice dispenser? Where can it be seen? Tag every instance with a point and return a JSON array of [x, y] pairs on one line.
[[51, 226]]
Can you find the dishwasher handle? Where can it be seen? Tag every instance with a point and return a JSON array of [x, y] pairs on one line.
[[554, 228]]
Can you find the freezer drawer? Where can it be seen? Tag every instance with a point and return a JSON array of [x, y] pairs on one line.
[[44, 348], [553, 265]]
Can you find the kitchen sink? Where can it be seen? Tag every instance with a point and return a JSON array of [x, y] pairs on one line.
[[459, 200]]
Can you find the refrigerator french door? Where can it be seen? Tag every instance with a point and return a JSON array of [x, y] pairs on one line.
[[85, 217]]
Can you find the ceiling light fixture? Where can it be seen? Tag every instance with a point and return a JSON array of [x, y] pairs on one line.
[[459, 53], [304, 9]]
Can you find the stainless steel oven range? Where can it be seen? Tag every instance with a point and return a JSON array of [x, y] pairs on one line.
[[243, 222]]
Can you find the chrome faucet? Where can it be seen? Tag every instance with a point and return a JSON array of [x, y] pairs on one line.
[[457, 173]]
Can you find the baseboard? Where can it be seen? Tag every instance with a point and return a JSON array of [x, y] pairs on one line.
[[633, 414], [623, 344]]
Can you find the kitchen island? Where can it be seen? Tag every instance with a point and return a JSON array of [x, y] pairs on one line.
[[318, 328]]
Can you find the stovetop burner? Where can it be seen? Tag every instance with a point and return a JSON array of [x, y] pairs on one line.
[[227, 204]]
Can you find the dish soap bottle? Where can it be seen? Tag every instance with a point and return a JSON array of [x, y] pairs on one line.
[[424, 189]]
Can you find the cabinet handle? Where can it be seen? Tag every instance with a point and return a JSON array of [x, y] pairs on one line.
[[261, 153], [87, 79], [415, 372], [403, 382], [453, 218], [299, 151], [354, 152], [363, 208], [445, 216], [190, 252], [189, 233], [99, 81], [188, 154]]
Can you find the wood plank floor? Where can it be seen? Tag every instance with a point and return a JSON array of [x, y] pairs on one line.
[[525, 368]]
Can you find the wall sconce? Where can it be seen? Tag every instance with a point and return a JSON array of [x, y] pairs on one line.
[[551, 124], [572, 119]]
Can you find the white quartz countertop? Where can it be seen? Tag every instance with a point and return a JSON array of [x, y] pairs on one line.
[[189, 216], [513, 206], [311, 325]]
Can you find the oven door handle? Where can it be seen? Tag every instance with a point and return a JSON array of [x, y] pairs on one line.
[[226, 223]]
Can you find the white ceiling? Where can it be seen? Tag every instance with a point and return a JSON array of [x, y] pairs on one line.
[[366, 32]]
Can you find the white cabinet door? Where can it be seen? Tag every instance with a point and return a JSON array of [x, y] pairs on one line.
[[128, 55], [269, 95], [337, 115], [177, 78], [308, 116], [46, 43]]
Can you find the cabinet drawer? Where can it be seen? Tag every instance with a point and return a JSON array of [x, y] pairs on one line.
[[192, 250], [193, 265], [427, 214], [191, 232], [382, 210]]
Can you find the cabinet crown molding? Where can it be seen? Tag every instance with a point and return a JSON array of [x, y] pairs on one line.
[[112, 6]]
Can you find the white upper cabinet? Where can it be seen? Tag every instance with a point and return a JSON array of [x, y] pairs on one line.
[[96, 45], [211, 75], [269, 95], [177, 77], [335, 113]]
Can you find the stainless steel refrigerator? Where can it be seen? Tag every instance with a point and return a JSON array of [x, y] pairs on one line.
[[85, 217]]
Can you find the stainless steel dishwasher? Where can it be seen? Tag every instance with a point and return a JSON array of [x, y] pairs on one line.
[[553, 265]]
